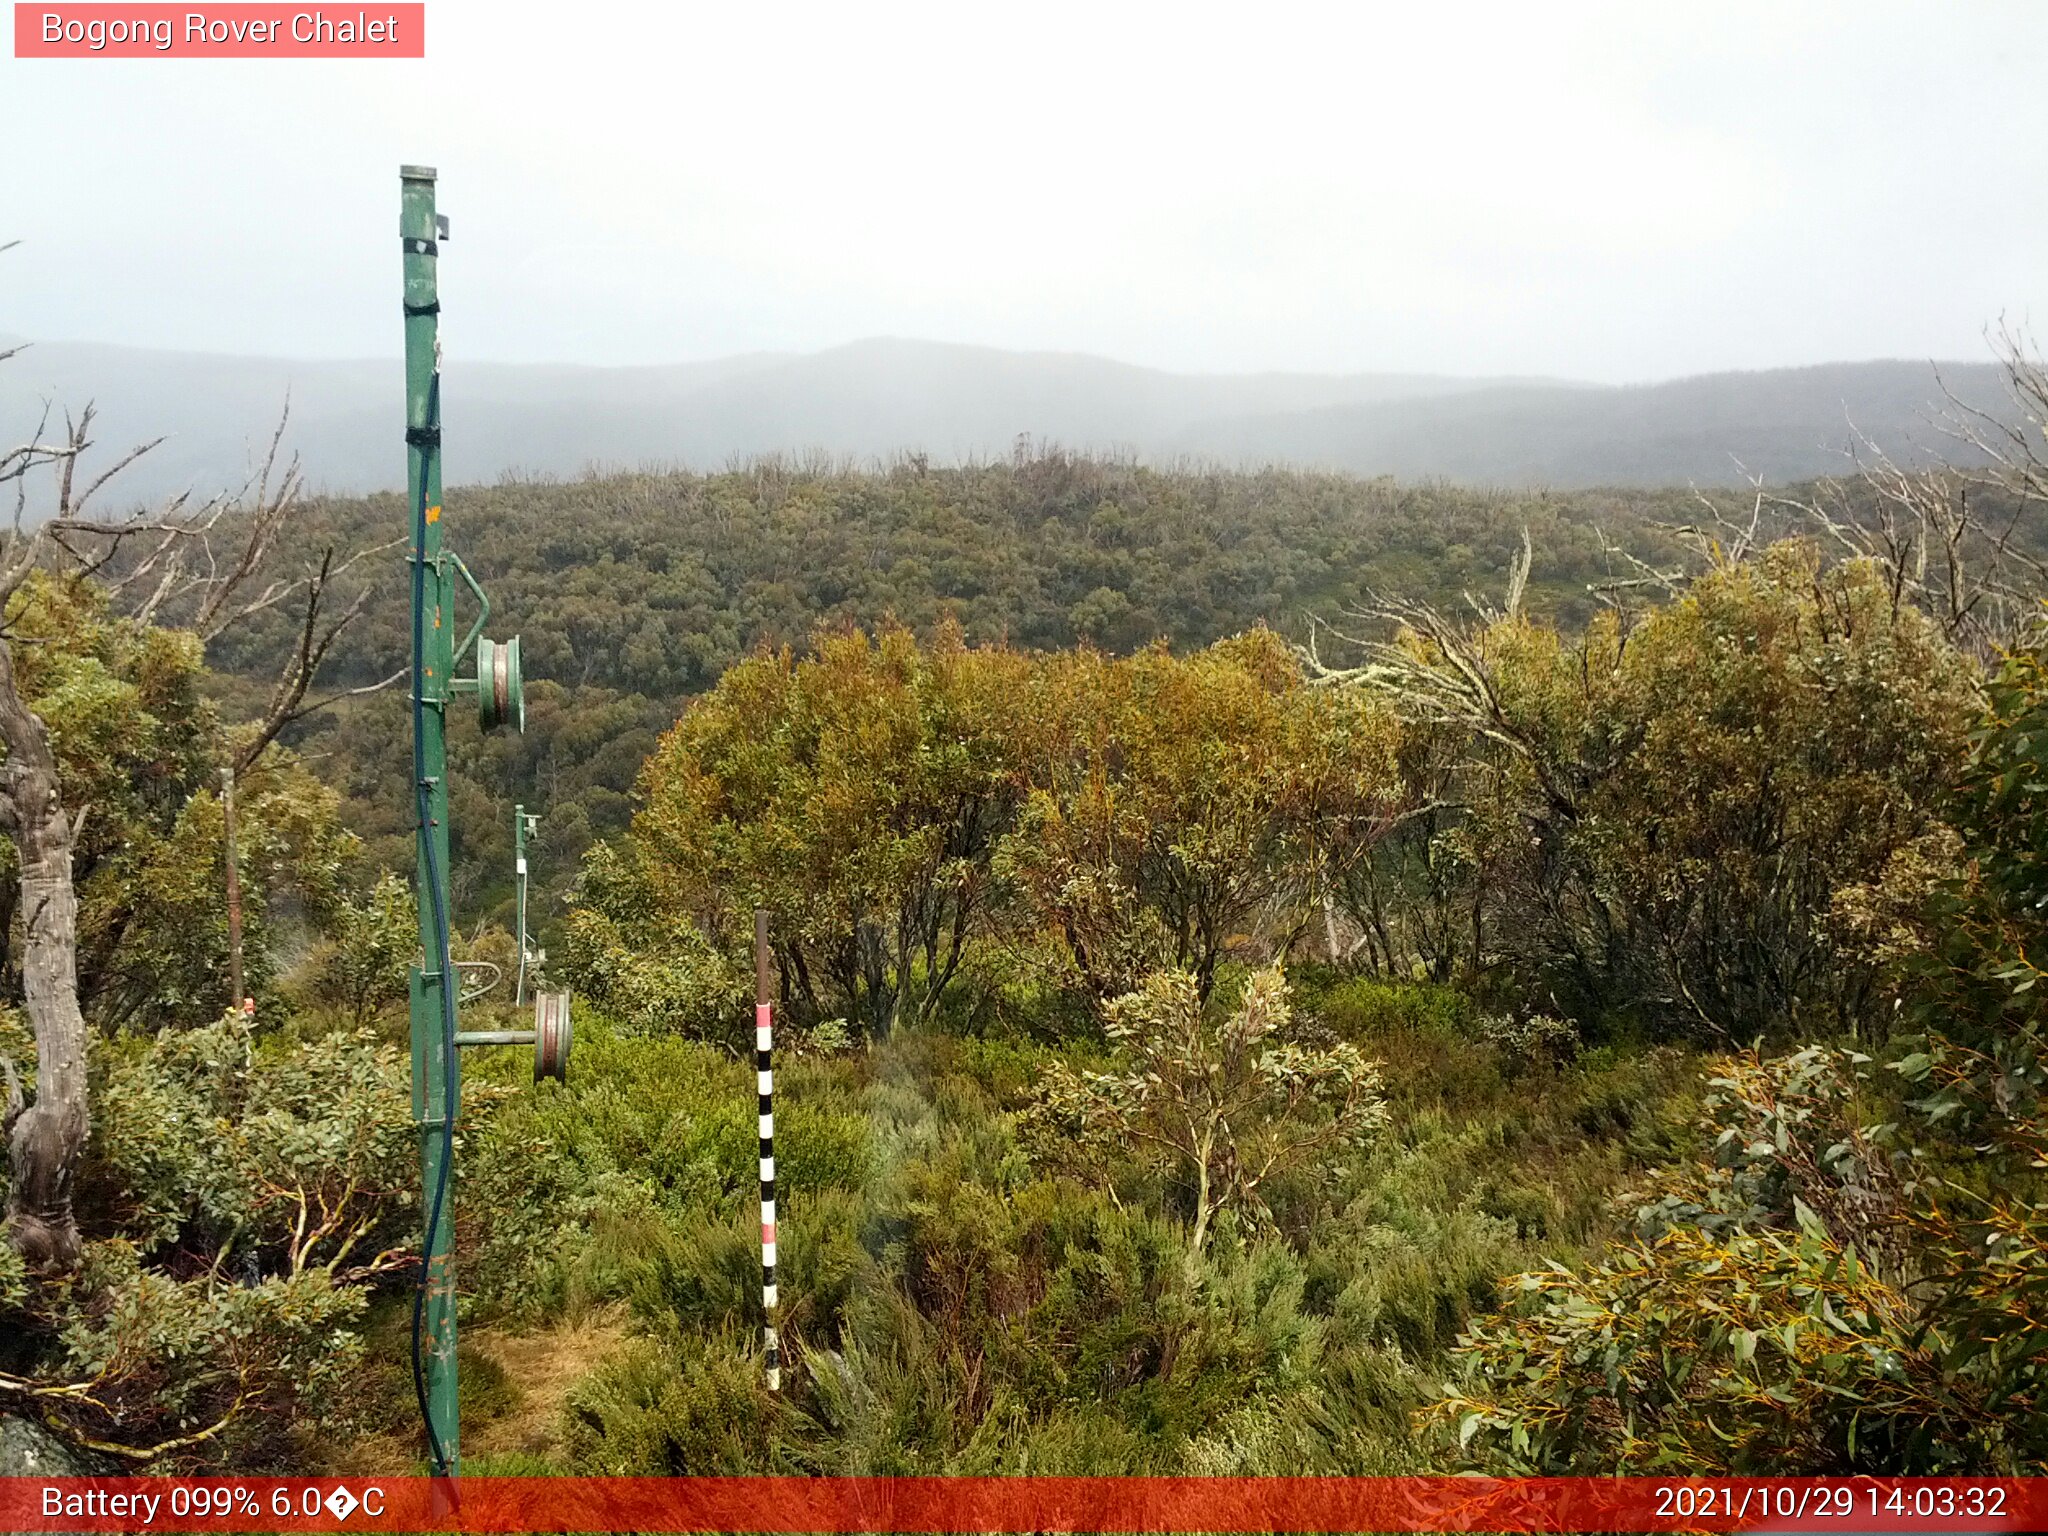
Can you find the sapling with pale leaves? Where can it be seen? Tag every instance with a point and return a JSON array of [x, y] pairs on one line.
[[1223, 1100]]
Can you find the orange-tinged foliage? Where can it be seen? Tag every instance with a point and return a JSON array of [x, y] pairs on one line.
[[890, 801]]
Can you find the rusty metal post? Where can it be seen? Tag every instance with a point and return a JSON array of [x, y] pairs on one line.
[[227, 809]]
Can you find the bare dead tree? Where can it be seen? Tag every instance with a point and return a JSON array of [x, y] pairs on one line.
[[1948, 542], [46, 1137], [2014, 445], [1438, 670], [211, 569], [1964, 543], [1431, 665], [202, 568]]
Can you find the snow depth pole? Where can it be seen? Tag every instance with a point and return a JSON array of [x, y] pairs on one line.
[[764, 1074], [435, 1080]]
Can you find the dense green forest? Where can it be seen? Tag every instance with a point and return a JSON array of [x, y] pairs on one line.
[[1589, 1027], [634, 593]]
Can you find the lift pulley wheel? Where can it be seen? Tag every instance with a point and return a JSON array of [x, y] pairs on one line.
[[551, 1036], [500, 691]]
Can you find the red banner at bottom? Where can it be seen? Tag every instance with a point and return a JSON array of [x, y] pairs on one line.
[[1001, 1504]]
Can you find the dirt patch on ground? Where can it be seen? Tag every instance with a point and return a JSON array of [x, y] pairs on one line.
[[541, 1367]]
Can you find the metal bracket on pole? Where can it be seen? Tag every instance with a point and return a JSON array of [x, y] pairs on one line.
[[483, 608]]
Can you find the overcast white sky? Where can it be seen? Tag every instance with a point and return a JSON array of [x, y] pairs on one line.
[[1607, 192]]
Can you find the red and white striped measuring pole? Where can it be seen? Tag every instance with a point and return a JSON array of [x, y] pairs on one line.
[[764, 1074]]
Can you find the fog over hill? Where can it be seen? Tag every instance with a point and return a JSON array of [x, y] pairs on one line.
[[878, 398], [1784, 424]]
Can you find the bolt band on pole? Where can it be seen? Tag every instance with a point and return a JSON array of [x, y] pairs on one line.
[[764, 1074]]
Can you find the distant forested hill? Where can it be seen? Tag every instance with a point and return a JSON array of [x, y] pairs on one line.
[[655, 583], [634, 592], [873, 401]]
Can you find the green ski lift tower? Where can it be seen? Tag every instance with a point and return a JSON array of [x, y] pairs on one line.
[[438, 576]]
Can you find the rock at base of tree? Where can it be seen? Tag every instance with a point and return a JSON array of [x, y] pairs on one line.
[[29, 1450]]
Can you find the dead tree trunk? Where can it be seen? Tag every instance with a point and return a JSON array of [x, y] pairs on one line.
[[46, 1138]]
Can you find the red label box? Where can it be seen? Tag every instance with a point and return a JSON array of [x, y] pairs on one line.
[[230, 31]]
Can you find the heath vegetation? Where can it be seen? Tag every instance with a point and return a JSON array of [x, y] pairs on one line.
[[1280, 974]]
